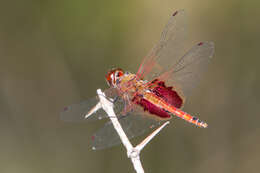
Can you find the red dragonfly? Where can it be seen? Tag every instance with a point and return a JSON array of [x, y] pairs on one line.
[[155, 93]]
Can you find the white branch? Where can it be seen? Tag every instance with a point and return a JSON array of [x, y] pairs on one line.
[[132, 152], [93, 110], [108, 108], [151, 136]]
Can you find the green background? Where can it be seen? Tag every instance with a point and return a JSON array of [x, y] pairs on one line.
[[54, 53]]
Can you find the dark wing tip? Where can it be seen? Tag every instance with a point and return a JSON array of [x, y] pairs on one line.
[[200, 43], [66, 108], [177, 12]]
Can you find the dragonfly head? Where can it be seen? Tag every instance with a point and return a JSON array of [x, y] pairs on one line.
[[113, 76]]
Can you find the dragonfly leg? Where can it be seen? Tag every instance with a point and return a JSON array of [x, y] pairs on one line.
[[115, 99]]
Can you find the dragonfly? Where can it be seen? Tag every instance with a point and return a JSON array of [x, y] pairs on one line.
[[155, 93]]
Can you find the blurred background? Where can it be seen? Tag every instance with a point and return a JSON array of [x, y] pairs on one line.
[[54, 53]]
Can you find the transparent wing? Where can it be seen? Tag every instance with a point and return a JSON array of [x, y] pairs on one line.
[[134, 123], [189, 69], [170, 47], [170, 62], [78, 112]]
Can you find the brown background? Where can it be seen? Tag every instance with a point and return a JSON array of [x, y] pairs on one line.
[[54, 53]]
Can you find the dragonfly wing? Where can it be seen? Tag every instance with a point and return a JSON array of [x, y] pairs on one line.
[[188, 71], [166, 52], [134, 124], [166, 61], [79, 112]]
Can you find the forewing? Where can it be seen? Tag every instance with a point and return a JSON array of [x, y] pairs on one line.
[[170, 47], [78, 112], [135, 123]]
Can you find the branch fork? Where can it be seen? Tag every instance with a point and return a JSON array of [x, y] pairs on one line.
[[132, 152]]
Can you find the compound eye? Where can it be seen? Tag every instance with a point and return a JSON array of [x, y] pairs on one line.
[[110, 79], [119, 73]]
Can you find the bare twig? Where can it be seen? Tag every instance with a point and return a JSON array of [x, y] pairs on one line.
[[132, 152]]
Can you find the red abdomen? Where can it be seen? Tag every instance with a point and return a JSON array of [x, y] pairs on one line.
[[167, 94], [159, 90]]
